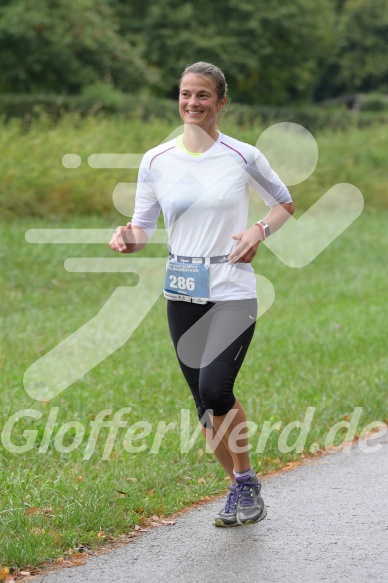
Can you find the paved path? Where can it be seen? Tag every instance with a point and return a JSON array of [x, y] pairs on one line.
[[327, 522]]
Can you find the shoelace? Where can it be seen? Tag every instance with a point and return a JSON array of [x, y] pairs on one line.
[[231, 501], [245, 493]]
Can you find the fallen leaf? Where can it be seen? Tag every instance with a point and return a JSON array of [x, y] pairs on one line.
[[291, 465], [121, 494], [200, 452], [47, 510], [101, 534], [25, 573], [31, 511], [80, 478], [4, 571], [203, 500], [201, 481], [77, 560], [132, 479]]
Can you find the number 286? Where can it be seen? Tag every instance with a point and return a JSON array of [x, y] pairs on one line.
[[182, 282]]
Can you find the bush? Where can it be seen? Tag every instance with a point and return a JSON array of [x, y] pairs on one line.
[[374, 102], [35, 183], [103, 98], [97, 98]]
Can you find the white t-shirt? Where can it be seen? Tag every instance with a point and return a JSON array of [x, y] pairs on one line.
[[204, 200]]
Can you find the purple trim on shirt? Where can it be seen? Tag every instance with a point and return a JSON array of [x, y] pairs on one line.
[[152, 159], [227, 145]]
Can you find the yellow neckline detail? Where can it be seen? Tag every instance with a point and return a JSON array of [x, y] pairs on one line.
[[183, 147]]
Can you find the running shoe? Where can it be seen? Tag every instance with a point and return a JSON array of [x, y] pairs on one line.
[[250, 505], [227, 515]]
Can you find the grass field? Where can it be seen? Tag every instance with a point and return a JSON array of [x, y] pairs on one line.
[[321, 345], [34, 182]]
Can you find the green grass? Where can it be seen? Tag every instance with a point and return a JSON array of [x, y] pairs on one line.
[[34, 182], [320, 345]]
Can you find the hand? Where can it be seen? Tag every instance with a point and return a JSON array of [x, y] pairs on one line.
[[119, 241], [248, 244]]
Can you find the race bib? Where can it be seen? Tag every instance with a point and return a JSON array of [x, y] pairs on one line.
[[187, 280]]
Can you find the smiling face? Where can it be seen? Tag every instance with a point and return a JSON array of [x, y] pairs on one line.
[[199, 103]]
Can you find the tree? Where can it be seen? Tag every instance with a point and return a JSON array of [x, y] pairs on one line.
[[271, 51], [51, 46], [298, 43], [363, 60]]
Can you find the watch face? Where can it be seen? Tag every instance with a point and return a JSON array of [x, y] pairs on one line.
[[266, 228]]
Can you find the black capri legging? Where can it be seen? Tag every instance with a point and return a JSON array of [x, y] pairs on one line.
[[211, 341]]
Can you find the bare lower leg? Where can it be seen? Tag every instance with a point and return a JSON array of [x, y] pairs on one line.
[[236, 446], [221, 452]]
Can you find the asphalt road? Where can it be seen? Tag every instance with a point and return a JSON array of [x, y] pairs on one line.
[[327, 522]]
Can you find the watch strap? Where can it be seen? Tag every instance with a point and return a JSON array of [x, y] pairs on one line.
[[264, 228]]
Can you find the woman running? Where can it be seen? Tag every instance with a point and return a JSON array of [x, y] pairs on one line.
[[200, 181]]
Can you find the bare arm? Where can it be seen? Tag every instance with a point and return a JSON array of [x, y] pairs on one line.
[[278, 215], [251, 238], [128, 239]]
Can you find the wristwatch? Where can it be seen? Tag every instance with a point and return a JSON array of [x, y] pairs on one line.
[[265, 228]]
